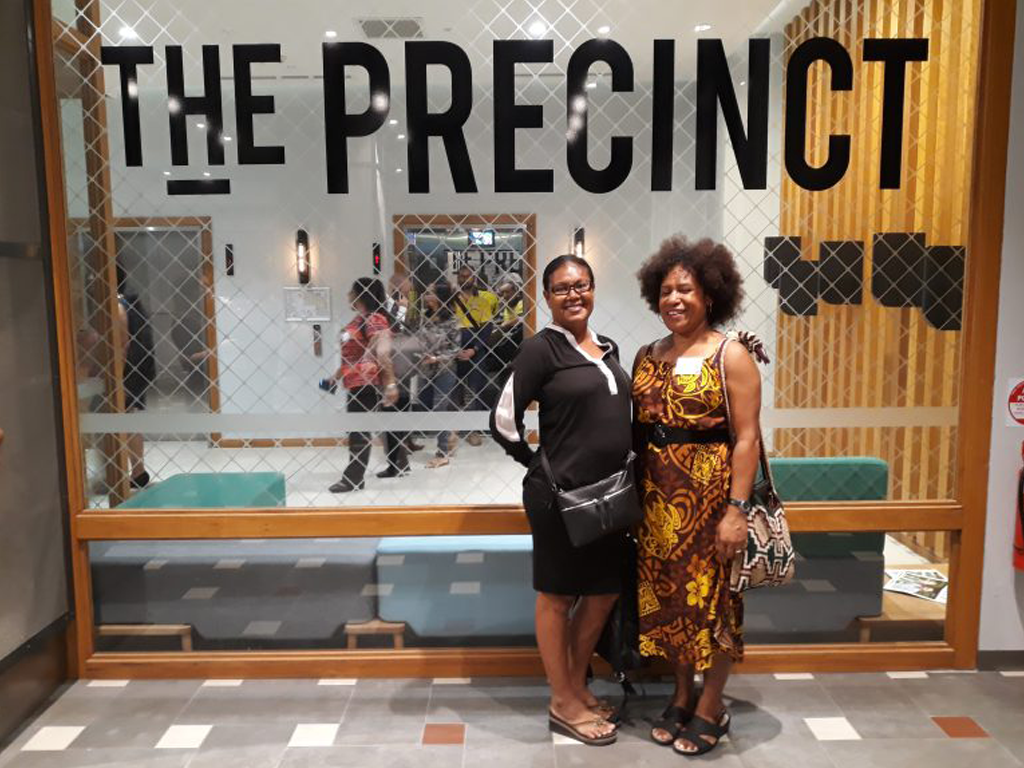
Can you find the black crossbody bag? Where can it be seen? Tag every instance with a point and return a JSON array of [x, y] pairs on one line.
[[598, 509]]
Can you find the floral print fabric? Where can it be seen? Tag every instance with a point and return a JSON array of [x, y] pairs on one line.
[[687, 612]]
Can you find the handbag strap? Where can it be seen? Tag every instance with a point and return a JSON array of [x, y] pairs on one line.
[[547, 470], [766, 469]]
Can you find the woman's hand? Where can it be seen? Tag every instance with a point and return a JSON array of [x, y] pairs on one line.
[[428, 360], [390, 394], [731, 536]]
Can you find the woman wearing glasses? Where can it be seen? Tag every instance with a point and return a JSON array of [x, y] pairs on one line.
[[584, 397]]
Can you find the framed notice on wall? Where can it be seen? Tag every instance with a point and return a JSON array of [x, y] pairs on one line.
[[307, 305]]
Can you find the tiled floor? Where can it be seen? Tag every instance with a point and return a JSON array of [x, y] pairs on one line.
[[937, 720]]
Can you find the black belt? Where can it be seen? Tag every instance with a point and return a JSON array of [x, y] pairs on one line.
[[661, 435]]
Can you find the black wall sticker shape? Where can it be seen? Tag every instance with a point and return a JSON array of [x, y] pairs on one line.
[[905, 273], [943, 298], [897, 262], [798, 289], [779, 254], [841, 268]]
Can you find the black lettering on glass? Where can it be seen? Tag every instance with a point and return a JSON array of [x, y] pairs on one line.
[[508, 116], [838, 157], [128, 58], [895, 53], [339, 125], [247, 105], [663, 115], [209, 105], [448, 124], [714, 87], [618, 168]]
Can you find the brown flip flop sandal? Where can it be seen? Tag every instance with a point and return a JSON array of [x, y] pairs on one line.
[[558, 725]]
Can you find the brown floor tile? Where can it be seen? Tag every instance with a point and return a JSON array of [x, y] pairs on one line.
[[444, 733], [960, 728]]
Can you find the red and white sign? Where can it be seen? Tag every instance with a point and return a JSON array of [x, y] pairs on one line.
[[1015, 402]]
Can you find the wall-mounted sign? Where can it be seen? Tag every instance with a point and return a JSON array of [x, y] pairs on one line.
[[307, 305], [716, 95], [1015, 403]]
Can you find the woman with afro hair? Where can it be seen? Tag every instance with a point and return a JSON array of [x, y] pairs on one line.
[[696, 472]]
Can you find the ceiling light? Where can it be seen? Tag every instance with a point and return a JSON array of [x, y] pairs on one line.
[[398, 170], [200, 125], [206, 173], [392, 121], [591, 85], [379, 101], [702, 28], [330, 33], [227, 138], [604, 30], [743, 82], [537, 28], [128, 33], [401, 136], [151, 229], [579, 104], [167, 173]]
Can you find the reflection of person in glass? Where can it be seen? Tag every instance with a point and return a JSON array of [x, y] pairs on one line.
[[508, 335], [696, 480], [366, 375], [583, 393], [475, 308], [441, 340], [139, 368]]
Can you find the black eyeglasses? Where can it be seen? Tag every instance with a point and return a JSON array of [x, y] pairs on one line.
[[581, 287]]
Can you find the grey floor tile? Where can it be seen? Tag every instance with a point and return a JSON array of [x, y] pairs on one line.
[[268, 736], [262, 756], [638, 754], [123, 732], [914, 753], [102, 758], [788, 752], [884, 712], [504, 755], [392, 756], [268, 700]]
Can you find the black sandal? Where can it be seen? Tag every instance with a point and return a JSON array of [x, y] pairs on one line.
[[672, 721], [698, 728]]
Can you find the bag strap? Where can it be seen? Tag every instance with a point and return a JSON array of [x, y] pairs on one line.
[[457, 299], [547, 470], [766, 469]]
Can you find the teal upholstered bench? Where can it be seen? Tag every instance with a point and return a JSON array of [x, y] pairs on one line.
[[212, 489]]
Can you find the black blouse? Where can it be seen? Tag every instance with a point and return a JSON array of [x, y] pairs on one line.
[[585, 406]]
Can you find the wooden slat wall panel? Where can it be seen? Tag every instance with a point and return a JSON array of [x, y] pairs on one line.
[[868, 355]]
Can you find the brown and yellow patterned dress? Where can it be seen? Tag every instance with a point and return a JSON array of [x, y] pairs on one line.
[[687, 612]]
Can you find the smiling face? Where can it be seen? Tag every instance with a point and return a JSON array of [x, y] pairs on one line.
[[682, 303], [575, 306]]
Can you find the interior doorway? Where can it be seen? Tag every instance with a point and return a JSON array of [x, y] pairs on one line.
[[168, 265]]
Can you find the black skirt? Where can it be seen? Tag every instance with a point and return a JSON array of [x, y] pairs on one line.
[[559, 568]]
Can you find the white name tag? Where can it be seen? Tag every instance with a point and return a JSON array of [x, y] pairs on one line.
[[688, 366]]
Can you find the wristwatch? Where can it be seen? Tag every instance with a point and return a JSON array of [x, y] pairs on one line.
[[743, 506]]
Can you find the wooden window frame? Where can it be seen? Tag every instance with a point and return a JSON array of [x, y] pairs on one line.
[[963, 518]]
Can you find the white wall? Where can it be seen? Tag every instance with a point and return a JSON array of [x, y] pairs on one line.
[[1002, 601]]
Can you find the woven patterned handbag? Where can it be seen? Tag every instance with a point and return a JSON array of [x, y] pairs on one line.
[[769, 559]]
